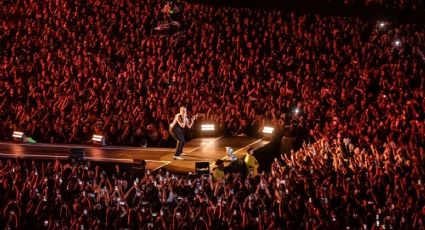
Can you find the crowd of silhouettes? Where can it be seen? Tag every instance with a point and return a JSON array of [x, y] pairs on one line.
[[71, 69], [325, 185]]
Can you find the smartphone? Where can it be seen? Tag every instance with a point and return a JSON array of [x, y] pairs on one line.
[[85, 212], [116, 188]]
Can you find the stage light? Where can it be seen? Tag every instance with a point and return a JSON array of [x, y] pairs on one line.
[[18, 136], [296, 111], [98, 139], [209, 127], [382, 25], [268, 130]]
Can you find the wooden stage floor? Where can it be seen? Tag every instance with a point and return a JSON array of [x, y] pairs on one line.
[[205, 149]]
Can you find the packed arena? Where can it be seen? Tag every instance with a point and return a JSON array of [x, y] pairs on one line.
[[323, 186], [348, 91], [71, 69], [393, 4]]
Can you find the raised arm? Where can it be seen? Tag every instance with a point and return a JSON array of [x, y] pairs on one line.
[[189, 124]]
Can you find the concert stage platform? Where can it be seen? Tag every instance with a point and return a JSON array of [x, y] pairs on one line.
[[205, 149]]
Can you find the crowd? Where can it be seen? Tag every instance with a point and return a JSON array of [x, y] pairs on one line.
[[326, 185], [395, 4], [353, 88], [71, 69]]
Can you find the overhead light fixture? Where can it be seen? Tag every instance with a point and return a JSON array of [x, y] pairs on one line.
[[18, 135], [268, 130], [207, 127], [98, 140]]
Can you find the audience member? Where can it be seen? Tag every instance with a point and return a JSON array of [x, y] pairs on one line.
[[251, 163]]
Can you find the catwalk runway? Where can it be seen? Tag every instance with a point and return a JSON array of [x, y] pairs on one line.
[[206, 149]]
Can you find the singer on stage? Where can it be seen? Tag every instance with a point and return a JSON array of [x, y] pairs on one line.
[[177, 130]]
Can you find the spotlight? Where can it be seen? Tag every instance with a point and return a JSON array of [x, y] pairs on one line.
[[296, 111], [98, 140], [18, 136], [209, 127], [268, 130]]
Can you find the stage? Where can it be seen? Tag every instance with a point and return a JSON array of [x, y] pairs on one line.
[[204, 149]]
